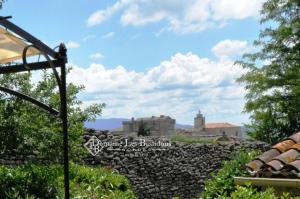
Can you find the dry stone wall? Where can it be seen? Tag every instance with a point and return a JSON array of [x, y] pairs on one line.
[[158, 168]]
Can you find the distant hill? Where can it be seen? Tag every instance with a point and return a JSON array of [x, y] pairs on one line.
[[183, 126], [114, 123], [106, 124]]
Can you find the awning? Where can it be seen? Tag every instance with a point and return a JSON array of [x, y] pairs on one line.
[[11, 47]]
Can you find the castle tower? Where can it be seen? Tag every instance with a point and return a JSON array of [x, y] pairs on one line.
[[199, 121]]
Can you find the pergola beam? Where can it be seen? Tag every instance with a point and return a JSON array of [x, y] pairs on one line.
[[33, 66], [22, 33]]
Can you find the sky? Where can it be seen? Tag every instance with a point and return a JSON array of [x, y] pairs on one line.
[[150, 57]]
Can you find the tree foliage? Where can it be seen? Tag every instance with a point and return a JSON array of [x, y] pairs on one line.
[[272, 80], [143, 129], [38, 181], [27, 129], [1, 3]]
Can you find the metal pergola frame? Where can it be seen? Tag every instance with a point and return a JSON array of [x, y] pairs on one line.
[[54, 60]]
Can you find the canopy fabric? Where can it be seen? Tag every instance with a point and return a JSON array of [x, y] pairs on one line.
[[11, 47]]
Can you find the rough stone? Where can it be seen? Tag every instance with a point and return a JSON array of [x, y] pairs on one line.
[[177, 170]]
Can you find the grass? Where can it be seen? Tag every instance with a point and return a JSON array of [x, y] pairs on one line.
[[192, 139]]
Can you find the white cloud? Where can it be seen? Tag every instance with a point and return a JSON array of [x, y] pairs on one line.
[[177, 87], [89, 37], [101, 15], [232, 9], [98, 17], [132, 16], [72, 44], [96, 56], [108, 35], [228, 47], [181, 16]]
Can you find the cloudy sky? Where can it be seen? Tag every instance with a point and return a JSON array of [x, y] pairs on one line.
[[150, 57]]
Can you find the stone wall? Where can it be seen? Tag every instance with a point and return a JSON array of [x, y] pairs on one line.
[[163, 170]]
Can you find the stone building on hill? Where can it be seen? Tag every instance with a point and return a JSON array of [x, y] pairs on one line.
[[165, 125], [199, 122], [201, 128], [220, 128], [159, 126]]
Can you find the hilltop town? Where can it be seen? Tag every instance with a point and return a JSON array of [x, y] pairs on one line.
[[165, 126]]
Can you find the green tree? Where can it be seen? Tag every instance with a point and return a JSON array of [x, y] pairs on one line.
[[1, 3], [27, 129], [273, 78], [143, 129]]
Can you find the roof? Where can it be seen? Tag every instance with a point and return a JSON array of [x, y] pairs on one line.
[[219, 125], [283, 159]]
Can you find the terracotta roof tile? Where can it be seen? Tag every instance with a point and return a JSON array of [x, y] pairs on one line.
[[268, 155], [296, 147], [255, 165], [295, 165], [282, 160], [288, 156], [295, 137], [284, 145], [276, 165]]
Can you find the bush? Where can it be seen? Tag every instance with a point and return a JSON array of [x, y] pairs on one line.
[[90, 182], [35, 181], [248, 192], [221, 183], [29, 179]]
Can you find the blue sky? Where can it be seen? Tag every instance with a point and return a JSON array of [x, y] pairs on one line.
[[150, 57]]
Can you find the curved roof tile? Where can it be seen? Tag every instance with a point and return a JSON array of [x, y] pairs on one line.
[[282, 160]]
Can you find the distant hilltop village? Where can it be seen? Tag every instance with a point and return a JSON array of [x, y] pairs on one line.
[[159, 126], [165, 125]]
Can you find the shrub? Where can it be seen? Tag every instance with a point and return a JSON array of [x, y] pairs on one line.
[[221, 183], [35, 181], [30, 179], [91, 182], [248, 192]]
